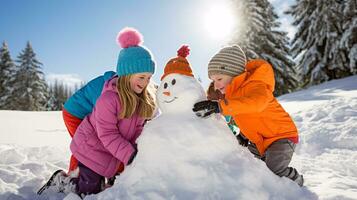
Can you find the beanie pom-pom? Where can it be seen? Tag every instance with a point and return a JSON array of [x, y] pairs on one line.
[[129, 37], [184, 51]]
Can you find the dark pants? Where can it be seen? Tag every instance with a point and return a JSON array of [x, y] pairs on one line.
[[88, 181], [277, 157]]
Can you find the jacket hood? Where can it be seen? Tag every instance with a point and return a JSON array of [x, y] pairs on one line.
[[110, 85], [256, 70], [261, 70]]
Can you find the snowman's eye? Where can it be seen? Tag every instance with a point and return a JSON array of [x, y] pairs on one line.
[[165, 85], [173, 81]]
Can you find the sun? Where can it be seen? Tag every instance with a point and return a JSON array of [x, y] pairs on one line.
[[219, 20]]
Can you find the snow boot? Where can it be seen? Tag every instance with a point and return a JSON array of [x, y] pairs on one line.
[[59, 182], [50, 181], [299, 180]]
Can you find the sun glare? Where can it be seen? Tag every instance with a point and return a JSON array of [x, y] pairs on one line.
[[219, 21]]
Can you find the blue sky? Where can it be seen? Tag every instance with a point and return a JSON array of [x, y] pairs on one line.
[[76, 38]]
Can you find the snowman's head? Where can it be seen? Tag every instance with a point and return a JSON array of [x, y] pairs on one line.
[[178, 93]]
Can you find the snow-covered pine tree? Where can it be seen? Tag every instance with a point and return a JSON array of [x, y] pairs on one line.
[[349, 36], [7, 68], [52, 103], [59, 93], [260, 37], [317, 42], [30, 88]]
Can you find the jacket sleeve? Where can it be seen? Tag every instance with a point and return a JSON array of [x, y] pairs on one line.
[[255, 99], [106, 125]]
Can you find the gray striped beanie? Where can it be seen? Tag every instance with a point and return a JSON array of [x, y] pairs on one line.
[[229, 60]]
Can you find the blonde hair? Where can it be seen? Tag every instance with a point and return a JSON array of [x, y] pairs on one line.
[[131, 103]]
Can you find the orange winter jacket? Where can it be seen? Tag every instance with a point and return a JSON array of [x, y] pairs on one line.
[[249, 100]]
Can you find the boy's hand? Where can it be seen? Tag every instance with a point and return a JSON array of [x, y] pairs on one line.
[[206, 108]]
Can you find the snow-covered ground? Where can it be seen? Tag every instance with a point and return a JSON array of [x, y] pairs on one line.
[[326, 116], [34, 144]]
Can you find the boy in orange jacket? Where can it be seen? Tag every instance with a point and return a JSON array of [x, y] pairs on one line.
[[248, 98]]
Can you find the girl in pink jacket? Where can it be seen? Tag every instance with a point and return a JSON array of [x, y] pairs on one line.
[[105, 139]]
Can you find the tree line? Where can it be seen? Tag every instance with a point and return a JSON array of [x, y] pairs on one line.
[[323, 48], [23, 85]]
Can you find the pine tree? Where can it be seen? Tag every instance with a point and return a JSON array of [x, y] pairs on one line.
[[30, 88], [52, 103], [260, 38], [348, 41], [317, 43], [58, 95], [7, 68], [61, 94]]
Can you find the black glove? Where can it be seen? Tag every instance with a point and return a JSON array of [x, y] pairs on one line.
[[206, 108], [132, 157], [242, 140]]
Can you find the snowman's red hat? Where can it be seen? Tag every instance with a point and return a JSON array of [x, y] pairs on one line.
[[179, 65]]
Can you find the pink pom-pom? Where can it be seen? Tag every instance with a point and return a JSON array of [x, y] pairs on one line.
[[129, 37], [184, 51]]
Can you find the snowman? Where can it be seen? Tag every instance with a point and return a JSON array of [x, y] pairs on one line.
[[182, 156]]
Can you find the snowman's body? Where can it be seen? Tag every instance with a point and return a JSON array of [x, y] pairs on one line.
[[187, 137]]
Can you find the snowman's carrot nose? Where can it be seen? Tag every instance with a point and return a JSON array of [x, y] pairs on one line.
[[167, 93]]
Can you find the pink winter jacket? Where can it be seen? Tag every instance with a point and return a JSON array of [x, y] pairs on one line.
[[102, 141]]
